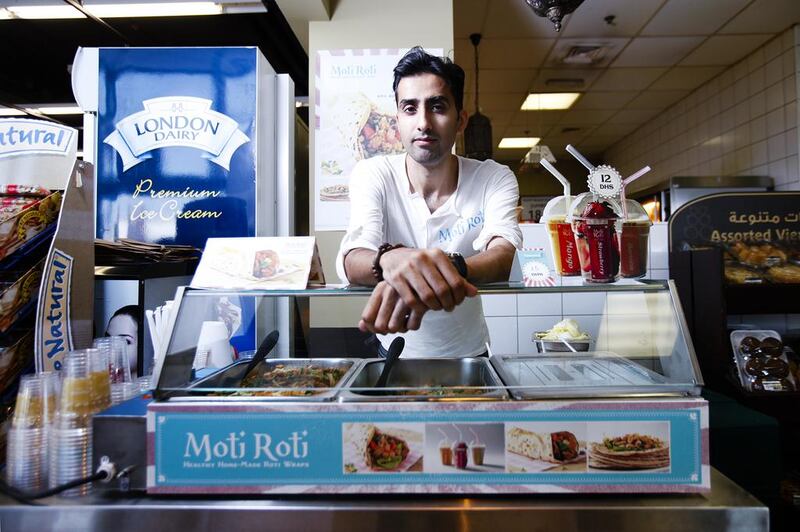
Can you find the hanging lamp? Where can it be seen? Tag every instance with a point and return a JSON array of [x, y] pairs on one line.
[[554, 10], [478, 134]]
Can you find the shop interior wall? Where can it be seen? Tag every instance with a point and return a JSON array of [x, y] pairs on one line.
[[742, 122], [366, 24]]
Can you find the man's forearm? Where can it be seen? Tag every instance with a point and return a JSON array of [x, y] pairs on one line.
[[492, 265], [358, 267]]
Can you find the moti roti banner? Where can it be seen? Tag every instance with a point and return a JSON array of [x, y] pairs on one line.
[[176, 144], [725, 219]]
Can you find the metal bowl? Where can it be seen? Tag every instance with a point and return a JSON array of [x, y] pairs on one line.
[[558, 346], [469, 379]]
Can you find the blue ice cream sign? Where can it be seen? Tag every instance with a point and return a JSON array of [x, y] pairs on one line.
[[176, 157]]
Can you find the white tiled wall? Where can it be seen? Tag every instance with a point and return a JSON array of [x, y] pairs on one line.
[[743, 122]]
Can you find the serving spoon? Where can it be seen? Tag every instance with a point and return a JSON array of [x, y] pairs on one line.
[[393, 354], [267, 344]]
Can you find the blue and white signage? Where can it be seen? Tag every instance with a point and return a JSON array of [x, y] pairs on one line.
[[23, 136], [595, 447], [176, 160]]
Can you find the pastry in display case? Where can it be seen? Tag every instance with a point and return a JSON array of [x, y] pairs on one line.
[[762, 361]]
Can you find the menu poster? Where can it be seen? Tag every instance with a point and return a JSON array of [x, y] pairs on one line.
[[263, 263], [355, 119], [176, 144], [728, 218]]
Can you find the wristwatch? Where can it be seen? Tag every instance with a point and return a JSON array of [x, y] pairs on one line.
[[459, 263]]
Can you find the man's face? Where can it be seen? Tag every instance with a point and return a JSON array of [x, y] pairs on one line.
[[427, 118]]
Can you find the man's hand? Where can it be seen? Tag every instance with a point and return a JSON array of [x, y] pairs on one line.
[[386, 312], [425, 279]]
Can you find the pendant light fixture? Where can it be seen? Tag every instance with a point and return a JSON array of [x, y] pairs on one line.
[[478, 134], [555, 10]]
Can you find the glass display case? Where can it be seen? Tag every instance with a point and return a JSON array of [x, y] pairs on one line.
[[628, 340]]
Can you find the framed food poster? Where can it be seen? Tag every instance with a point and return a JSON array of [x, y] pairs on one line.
[[355, 119]]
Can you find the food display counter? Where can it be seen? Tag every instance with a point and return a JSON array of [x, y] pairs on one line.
[[614, 437], [623, 416]]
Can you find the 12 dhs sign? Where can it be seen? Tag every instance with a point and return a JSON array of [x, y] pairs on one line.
[[176, 121]]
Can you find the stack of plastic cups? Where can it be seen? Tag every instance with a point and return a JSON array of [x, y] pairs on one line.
[[26, 451], [71, 433], [119, 370]]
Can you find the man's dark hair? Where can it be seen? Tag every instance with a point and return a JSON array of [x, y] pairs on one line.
[[417, 61]]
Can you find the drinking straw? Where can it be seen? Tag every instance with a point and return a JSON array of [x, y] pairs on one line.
[[581, 159], [558, 175], [631, 178]]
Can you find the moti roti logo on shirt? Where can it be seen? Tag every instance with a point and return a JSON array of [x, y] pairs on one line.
[[176, 121], [462, 226]]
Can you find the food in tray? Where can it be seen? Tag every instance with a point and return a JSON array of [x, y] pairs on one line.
[[554, 447], [265, 264], [629, 451], [787, 273], [772, 367], [759, 254], [566, 329], [735, 274], [335, 193], [437, 390], [770, 384], [770, 346], [749, 344], [283, 376]]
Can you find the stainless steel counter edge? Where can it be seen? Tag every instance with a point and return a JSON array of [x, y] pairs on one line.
[[726, 508]]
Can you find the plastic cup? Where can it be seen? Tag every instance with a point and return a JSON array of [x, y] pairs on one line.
[[446, 453], [478, 453], [77, 396], [100, 378], [562, 239], [36, 402], [633, 241], [116, 348], [70, 452], [122, 391], [596, 235]]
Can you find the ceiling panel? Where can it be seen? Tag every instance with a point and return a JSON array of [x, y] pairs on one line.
[[656, 99], [585, 117], [633, 116], [629, 17], [604, 100], [499, 80], [612, 47], [499, 119], [468, 17], [547, 79], [533, 119], [627, 78], [656, 51], [464, 53], [513, 53], [765, 16], [498, 101], [725, 49], [690, 17], [685, 78], [514, 19], [621, 130]]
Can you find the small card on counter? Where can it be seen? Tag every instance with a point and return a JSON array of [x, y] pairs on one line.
[[259, 263]]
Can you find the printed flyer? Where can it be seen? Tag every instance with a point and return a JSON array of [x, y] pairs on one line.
[[355, 119]]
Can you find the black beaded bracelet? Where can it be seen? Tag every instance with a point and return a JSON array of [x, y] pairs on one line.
[[377, 271]]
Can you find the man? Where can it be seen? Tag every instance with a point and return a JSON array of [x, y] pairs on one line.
[[426, 225]]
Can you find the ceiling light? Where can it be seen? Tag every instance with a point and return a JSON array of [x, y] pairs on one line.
[[127, 9], [519, 142], [50, 110], [549, 101]]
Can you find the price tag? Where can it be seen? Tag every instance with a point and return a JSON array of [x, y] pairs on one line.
[[605, 181]]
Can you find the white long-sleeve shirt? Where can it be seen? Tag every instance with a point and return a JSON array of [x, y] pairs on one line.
[[383, 209]]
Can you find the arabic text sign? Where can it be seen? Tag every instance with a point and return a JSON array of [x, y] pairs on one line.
[[737, 217]]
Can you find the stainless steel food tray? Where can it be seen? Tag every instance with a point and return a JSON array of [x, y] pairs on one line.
[[233, 374], [592, 374], [410, 373]]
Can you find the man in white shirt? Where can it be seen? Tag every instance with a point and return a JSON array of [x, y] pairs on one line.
[[427, 224]]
